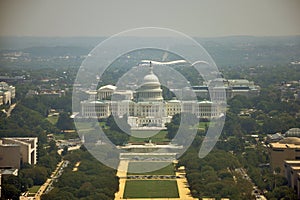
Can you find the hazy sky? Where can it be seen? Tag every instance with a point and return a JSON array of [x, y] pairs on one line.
[[207, 18]]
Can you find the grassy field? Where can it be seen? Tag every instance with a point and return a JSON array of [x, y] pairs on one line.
[[53, 119], [34, 189], [151, 189], [85, 125], [88, 126], [142, 136], [59, 136], [201, 125], [143, 166]]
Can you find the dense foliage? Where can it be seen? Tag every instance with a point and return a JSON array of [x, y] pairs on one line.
[[93, 180]]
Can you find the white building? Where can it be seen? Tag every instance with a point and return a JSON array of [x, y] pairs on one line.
[[232, 88], [7, 93], [95, 109], [148, 108], [106, 92]]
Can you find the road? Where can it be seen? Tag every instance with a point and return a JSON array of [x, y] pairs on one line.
[[255, 192], [49, 181]]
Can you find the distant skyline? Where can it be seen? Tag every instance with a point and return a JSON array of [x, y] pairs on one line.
[[197, 18]]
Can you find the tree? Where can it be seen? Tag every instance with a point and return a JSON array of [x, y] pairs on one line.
[[248, 125], [52, 146], [10, 192], [64, 122], [65, 151], [38, 174], [118, 124]]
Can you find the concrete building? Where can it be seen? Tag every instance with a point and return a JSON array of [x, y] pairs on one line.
[[14, 151], [231, 87], [292, 168], [106, 91], [292, 174], [7, 93], [10, 156], [148, 108], [95, 109], [276, 137], [285, 149]]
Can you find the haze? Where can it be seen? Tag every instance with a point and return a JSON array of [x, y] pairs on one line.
[[103, 18]]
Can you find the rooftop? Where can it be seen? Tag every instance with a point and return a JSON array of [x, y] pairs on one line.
[[295, 168], [291, 162], [289, 142]]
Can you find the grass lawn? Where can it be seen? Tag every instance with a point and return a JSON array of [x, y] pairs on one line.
[[151, 189], [86, 125], [34, 189], [142, 136], [103, 125], [59, 136], [53, 119], [143, 166], [201, 125]]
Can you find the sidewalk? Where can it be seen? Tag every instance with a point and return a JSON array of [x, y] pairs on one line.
[[48, 182], [122, 173]]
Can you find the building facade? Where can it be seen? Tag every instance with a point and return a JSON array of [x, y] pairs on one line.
[[7, 93], [147, 109], [233, 87], [286, 149], [292, 174], [14, 151]]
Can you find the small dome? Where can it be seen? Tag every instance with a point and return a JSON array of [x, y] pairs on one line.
[[293, 132], [151, 78]]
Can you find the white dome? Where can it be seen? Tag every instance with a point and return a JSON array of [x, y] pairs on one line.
[[150, 90], [151, 78]]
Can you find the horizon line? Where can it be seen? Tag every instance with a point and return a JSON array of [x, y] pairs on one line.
[[98, 36]]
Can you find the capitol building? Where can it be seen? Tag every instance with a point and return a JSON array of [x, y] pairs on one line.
[[144, 107]]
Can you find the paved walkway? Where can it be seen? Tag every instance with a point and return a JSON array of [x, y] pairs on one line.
[[48, 182], [183, 187], [122, 172]]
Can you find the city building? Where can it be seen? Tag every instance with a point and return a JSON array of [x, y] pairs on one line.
[[233, 87], [15, 151], [292, 174], [7, 93], [106, 91], [285, 155], [276, 137], [286, 149], [144, 107]]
